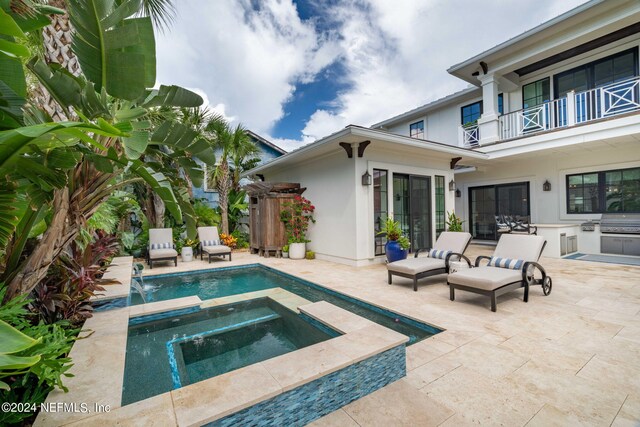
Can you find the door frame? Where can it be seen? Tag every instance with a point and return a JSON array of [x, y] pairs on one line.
[[495, 207], [430, 230]]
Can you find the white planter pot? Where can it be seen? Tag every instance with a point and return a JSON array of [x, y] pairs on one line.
[[187, 254], [285, 254], [297, 250]]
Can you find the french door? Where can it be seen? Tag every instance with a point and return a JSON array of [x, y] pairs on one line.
[[412, 208], [488, 201]]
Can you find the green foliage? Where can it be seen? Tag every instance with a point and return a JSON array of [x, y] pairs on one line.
[[296, 214], [454, 223], [237, 208], [285, 248], [50, 345], [391, 229], [404, 242], [310, 255], [206, 216], [242, 238]]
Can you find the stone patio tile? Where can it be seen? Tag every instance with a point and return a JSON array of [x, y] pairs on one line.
[[431, 371], [483, 400], [548, 351], [490, 360], [550, 416], [366, 342], [568, 392], [337, 418], [397, 404], [602, 303], [156, 411], [426, 350], [629, 415], [612, 374], [205, 401], [338, 318], [631, 333], [457, 338]]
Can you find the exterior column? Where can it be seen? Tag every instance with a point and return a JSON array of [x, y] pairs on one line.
[[488, 123]]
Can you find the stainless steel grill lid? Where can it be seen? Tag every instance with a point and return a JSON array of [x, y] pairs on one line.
[[620, 223]]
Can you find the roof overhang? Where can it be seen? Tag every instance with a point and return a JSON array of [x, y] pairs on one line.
[[593, 19], [357, 134]]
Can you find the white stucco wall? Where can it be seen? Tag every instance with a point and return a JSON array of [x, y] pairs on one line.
[[344, 228], [547, 206]]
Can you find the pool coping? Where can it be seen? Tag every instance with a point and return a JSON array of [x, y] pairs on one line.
[[119, 270], [212, 399]]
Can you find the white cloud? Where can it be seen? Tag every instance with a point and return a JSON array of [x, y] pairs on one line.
[[395, 54]]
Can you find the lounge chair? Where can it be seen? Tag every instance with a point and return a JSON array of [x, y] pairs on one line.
[[210, 243], [161, 247], [512, 266], [450, 246]]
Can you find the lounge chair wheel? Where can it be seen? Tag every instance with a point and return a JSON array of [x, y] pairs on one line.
[[546, 285]]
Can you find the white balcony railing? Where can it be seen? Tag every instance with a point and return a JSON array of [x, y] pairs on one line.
[[575, 108], [469, 135]]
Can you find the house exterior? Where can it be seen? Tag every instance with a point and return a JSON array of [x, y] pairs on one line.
[[549, 128], [268, 152]]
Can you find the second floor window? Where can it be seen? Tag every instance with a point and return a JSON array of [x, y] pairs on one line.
[[416, 130], [535, 93], [471, 113]]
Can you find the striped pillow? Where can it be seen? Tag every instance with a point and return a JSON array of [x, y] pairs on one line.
[[434, 253], [514, 264], [210, 243], [168, 245]]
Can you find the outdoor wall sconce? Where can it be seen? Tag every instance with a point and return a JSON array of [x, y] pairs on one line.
[[452, 185], [458, 193], [366, 178], [546, 186]]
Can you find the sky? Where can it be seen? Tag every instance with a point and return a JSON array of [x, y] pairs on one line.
[[294, 71]]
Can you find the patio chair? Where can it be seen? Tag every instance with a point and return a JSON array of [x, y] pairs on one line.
[[512, 266], [210, 243], [449, 247], [161, 247]]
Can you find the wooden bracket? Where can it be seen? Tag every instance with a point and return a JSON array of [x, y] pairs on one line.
[[347, 148], [362, 146], [454, 161]]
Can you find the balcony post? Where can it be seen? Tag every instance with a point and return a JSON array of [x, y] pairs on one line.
[[571, 108], [488, 123]]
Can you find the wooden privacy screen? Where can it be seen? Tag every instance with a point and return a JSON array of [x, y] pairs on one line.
[[267, 232]]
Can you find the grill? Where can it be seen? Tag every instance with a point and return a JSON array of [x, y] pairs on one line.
[[620, 223]]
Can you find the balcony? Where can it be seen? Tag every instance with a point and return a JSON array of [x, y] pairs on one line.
[[575, 108]]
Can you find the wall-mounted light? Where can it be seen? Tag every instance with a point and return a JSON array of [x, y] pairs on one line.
[[452, 185], [366, 178], [458, 193], [546, 186]]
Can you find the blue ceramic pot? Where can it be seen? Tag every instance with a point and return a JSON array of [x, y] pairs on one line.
[[394, 252]]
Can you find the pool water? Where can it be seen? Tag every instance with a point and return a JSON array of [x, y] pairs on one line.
[[175, 351], [238, 280]]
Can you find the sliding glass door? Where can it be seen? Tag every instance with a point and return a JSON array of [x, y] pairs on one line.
[[488, 201], [412, 208]]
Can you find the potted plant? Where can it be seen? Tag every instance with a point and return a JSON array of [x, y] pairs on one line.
[[296, 215], [397, 246], [454, 222], [187, 250], [285, 251]]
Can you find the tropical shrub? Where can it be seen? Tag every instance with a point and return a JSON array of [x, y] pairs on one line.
[[454, 222], [296, 215], [228, 240], [206, 216], [242, 238], [392, 230]]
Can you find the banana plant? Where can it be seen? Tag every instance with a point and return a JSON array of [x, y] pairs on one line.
[[13, 341]]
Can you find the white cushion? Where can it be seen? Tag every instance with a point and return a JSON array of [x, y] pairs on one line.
[[519, 246], [162, 253], [486, 278], [217, 249], [414, 266], [455, 241]]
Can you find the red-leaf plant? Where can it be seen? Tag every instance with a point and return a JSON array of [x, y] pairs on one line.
[[296, 215]]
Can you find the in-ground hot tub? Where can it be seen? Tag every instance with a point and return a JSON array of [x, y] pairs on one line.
[[173, 350]]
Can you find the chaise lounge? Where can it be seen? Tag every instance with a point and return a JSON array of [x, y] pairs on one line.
[[210, 243], [512, 266], [449, 247], [161, 247]]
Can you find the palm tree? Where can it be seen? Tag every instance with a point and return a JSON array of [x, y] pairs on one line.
[[232, 145]]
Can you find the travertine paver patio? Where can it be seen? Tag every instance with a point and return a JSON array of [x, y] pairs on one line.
[[570, 358]]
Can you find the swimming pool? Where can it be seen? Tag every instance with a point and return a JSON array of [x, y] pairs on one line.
[[184, 348], [209, 284]]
